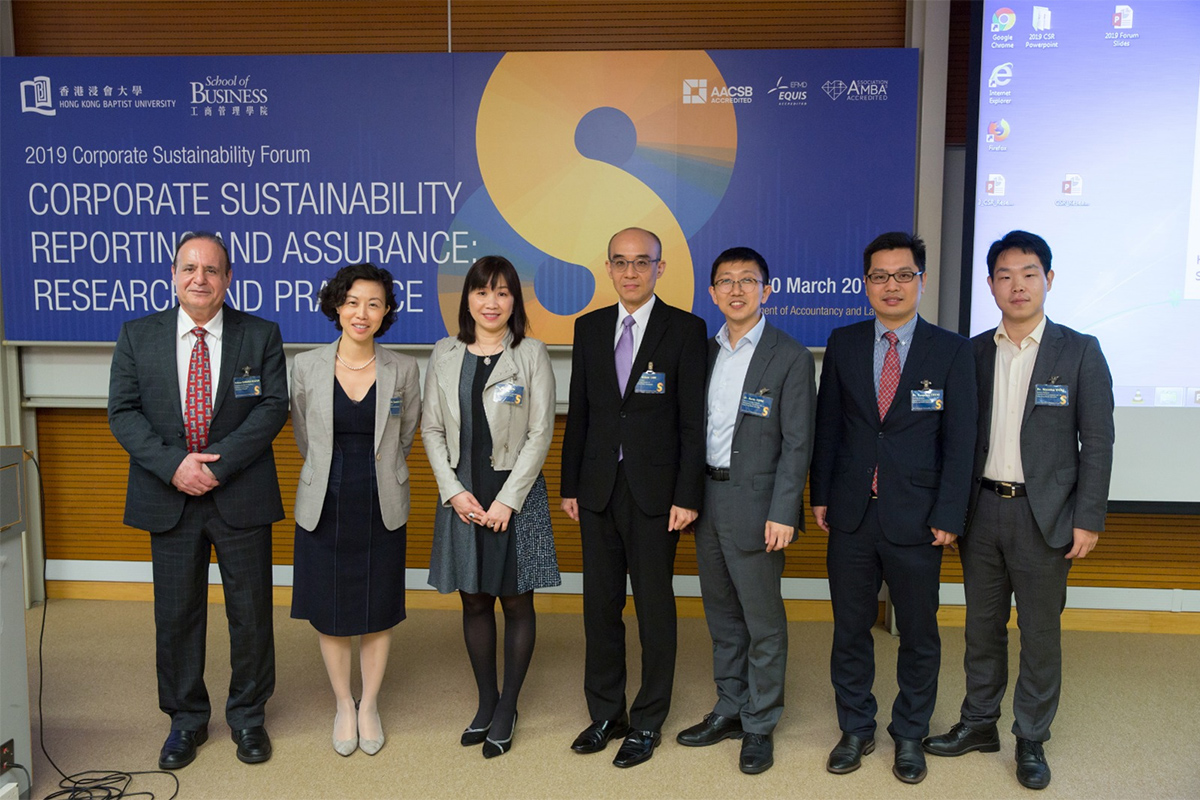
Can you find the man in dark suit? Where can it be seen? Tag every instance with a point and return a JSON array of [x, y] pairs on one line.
[[196, 396], [759, 426], [633, 477], [1043, 459], [890, 481]]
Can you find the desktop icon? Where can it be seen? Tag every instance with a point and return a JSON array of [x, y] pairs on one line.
[[995, 184], [1041, 18], [1003, 20], [1072, 183], [1001, 75], [1122, 17], [997, 131]]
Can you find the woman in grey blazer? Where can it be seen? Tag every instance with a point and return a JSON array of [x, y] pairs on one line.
[[488, 421], [355, 410]]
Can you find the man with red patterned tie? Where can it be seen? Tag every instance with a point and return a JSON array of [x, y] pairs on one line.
[[196, 396], [889, 483]]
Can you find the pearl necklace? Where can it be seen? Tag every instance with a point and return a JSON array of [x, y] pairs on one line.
[[347, 365]]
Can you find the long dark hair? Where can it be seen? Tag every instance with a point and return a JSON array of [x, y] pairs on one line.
[[486, 272]]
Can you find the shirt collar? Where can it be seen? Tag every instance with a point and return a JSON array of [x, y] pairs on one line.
[[641, 316], [1035, 335], [213, 328], [904, 333], [753, 335]]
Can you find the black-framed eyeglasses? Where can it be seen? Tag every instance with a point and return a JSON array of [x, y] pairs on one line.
[[640, 264], [903, 276], [725, 285]]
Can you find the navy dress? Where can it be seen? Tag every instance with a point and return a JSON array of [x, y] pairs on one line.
[[349, 571]]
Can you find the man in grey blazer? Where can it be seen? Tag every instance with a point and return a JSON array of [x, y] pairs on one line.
[[760, 412], [1043, 458], [196, 396]]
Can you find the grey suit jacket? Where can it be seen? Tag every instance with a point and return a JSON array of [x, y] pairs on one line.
[[521, 434], [146, 417], [396, 376], [770, 457], [1066, 451]]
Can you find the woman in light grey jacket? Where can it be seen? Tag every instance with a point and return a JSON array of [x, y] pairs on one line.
[[488, 420]]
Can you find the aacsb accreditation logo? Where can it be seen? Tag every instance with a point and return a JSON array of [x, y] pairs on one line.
[[35, 97], [696, 90]]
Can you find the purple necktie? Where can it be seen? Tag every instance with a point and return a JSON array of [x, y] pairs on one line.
[[624, 355]]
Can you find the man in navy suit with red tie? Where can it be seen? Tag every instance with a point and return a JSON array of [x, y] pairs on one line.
[[890, 480]]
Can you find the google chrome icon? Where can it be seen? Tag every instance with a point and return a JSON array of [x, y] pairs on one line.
[[1003, 19]]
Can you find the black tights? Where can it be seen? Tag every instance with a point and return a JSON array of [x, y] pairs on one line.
[[479, 630]]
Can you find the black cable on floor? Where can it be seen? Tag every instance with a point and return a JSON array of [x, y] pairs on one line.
[[92, 784]]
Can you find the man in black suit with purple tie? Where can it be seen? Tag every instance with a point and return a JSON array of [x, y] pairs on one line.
[[889, 482]]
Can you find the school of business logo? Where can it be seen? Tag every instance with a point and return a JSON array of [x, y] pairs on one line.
[[997, 131], [695, 90], [35, 97], [1003, 20], [834, 89]]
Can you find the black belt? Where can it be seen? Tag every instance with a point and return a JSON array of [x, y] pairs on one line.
[[1003, 488], [717, 473]]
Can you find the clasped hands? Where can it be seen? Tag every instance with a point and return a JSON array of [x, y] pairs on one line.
[[471, 512], [193, 476]]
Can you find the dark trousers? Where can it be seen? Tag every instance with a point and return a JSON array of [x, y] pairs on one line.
[[858, 562], [180, 559], [745, 612], [618, 540], [1004, 554]]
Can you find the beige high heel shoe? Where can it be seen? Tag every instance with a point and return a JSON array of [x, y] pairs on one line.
[[373, 746], [344, 747]]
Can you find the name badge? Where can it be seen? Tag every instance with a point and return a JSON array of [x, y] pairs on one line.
[[509, 393], [927, 400], [247, 386], [396, 406], [651, 382], [1051, 394], [756, 405]]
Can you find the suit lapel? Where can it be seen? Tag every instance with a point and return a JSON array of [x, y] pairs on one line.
[[231, 348], [656, 327], [763, 353], [322, 389], [1044, 365], [385, 388], [985, 372], [170, 322], [448, 369], [917, 351]]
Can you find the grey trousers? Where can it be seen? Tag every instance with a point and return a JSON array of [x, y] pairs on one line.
[[1004, 554]]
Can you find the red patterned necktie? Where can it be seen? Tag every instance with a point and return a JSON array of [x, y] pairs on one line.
[[199, 394], [889, 379]]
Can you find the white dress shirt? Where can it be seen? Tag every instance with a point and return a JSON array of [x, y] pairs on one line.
[[185, 341], [640, 318], [725, 391], [1011, 375]]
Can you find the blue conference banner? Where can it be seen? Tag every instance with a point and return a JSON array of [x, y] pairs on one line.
[[421, 163]]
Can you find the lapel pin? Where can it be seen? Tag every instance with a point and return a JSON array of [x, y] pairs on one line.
[[925, 385]]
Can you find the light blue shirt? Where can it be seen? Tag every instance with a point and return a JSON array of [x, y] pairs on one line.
[[904, 333], [725, 391]]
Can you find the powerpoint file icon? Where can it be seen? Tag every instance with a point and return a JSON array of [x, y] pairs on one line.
[[995, 184], [1072, 183], [1123, 17]]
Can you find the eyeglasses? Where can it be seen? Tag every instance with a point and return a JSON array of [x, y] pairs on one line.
[[640, 264], [904, 276], [725, 285]]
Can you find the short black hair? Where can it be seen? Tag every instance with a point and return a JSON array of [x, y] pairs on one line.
[[735, 254], [896, 240], [1024, 241], [651, 234], [333, 293], [486, 272], [209, 236]]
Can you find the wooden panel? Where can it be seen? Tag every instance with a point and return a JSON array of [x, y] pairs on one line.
[[85, 498], [229, 27]]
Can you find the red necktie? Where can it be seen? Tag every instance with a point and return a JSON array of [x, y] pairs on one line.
[[889, 379], [199, 394]]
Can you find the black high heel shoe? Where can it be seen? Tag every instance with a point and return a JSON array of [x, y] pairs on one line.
[[474, 736], [493, 748]]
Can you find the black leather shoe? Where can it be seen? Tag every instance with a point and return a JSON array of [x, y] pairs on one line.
[[1032, 770], [497, 747], [179, 749], [637, 747], [474, 736], [253, 745], [713, 729], [595, 737], [758, 753], [847, 756], [962, 739], [909, 766]]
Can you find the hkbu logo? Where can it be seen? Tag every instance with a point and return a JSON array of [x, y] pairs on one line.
[[35, 96], [1003, 20], [997, 131], [695, 90]]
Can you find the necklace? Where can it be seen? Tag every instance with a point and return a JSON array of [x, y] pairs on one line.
[[487, 357], [347, 365]]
